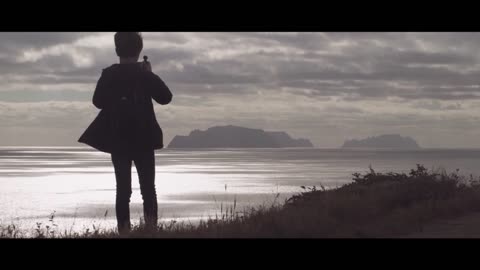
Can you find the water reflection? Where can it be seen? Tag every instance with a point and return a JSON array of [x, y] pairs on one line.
[[79, 183]]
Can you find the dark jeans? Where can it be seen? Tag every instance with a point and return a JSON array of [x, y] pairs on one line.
[[145, 164]]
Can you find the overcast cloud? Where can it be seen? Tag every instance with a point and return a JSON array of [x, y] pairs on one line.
[[327, 87]]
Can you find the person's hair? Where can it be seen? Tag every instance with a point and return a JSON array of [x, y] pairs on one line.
[[128, 44]]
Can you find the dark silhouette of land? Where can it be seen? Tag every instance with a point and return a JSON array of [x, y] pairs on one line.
[[237, 137], [392, 141]]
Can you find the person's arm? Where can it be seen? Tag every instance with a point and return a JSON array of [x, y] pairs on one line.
[[158, 89], [100, 94]]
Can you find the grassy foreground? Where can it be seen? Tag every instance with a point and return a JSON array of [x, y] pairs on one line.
[[373, 205]]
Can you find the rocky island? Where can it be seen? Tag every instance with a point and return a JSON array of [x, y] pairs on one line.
[[393, 141], [237, 137]]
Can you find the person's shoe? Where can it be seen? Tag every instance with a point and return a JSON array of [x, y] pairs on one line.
[[124, 230], [151, 228]]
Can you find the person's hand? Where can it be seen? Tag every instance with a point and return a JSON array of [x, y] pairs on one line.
[[147, 66]]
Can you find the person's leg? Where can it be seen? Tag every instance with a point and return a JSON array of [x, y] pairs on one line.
[[123, 175], [145, 164]]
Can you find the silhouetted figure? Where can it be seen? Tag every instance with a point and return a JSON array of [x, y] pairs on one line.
[[126, 126]]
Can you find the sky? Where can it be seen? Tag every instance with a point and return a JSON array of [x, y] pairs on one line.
[[327, 87]]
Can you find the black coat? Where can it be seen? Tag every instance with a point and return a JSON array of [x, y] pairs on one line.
[[115, 82]]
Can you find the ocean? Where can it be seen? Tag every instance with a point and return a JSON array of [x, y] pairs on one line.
[[76, 185]]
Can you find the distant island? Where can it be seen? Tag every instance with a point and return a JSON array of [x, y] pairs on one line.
[[237, 137], [393, 141]]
